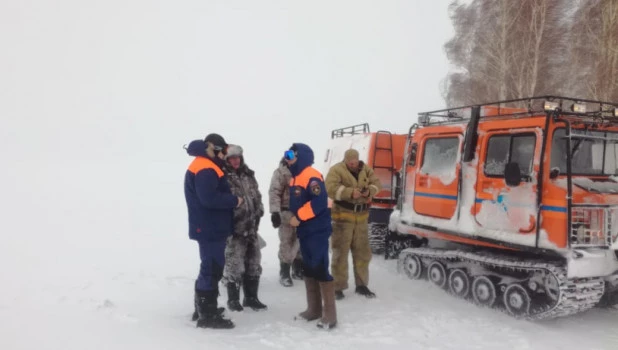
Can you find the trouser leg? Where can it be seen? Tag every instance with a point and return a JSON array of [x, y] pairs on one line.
[[340, 241], [288, 242], [212, 256], [235, 260], [361, 253]]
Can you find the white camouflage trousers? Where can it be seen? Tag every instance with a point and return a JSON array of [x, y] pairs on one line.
[[289, 247], [242, 256]]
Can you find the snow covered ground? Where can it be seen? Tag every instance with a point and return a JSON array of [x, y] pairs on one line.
[[107, 265], [97, 99]]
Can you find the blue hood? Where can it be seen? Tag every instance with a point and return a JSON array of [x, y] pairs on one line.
[[304, 160], [197, 148]]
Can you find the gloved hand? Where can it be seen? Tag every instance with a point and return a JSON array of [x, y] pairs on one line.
[[275, 218]]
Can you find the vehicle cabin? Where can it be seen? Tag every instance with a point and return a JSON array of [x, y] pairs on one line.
[[532, 174]]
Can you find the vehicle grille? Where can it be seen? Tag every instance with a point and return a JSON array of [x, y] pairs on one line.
[[593, 226]]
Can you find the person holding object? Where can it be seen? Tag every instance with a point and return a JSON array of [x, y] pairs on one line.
[[351, 184]]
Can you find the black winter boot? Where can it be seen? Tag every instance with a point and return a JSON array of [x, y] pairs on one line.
[[363, 290], [250, 289], [297, 269], [208, 315], [233, 297], [196, 315], [284, 275]]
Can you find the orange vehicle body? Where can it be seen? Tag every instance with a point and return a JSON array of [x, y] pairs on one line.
[[438, 200], [435, 199], [514, 200]]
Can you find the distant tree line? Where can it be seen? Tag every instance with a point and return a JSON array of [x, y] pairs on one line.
[[506, 49]]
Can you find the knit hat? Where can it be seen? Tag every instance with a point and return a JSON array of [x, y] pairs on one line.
[[350, 154], [216, 139], [233, 151]]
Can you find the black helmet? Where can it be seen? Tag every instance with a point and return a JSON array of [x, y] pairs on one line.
[[217, 140]]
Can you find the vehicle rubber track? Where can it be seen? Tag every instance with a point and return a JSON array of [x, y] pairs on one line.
[[377, 237], [574, 295]]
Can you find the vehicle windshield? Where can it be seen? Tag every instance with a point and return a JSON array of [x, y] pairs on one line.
[[588, 157]]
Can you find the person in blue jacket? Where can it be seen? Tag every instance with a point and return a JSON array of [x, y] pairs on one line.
[[210, 205], [312, 220]]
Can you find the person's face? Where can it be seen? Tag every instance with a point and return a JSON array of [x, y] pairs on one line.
[[220, 152], [352, 164], [290, 162], [290, 154], [217, 151], [234, 161]]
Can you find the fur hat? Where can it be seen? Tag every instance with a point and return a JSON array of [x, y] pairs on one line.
[[233, 151], [350, 154]]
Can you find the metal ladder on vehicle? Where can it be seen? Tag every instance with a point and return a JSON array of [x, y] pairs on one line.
[[390, 167]]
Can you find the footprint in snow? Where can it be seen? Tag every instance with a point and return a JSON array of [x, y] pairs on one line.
[[110, 308]]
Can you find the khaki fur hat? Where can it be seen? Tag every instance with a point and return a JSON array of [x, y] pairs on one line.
[[350, 154], [233, 151]]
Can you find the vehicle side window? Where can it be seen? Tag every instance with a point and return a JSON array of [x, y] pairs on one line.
[[588, 157], [522, 152], [497, 155], [503, 149], [440, 155]]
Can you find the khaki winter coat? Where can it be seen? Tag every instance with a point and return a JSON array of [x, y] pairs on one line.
[[340, 183], [279, 192]]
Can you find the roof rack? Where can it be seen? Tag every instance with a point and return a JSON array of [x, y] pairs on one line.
[[525, 107], [350, 130]]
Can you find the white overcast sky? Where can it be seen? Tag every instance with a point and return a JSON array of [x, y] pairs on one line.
[[113, 79], [97, 99]]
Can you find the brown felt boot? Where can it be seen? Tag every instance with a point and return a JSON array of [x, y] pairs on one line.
[[329, 311], [314, 300]]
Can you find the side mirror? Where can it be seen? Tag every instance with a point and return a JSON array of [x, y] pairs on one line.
[[553, 173], [512, 174], [412, 160], [397, 182]]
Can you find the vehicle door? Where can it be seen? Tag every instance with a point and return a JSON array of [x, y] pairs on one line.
[[500, 205], [437, 178]]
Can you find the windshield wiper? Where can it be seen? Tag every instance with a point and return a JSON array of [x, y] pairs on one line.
[[578, 143], [576, 147]]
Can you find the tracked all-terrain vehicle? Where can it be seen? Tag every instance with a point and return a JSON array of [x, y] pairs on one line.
[[513, 204]]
